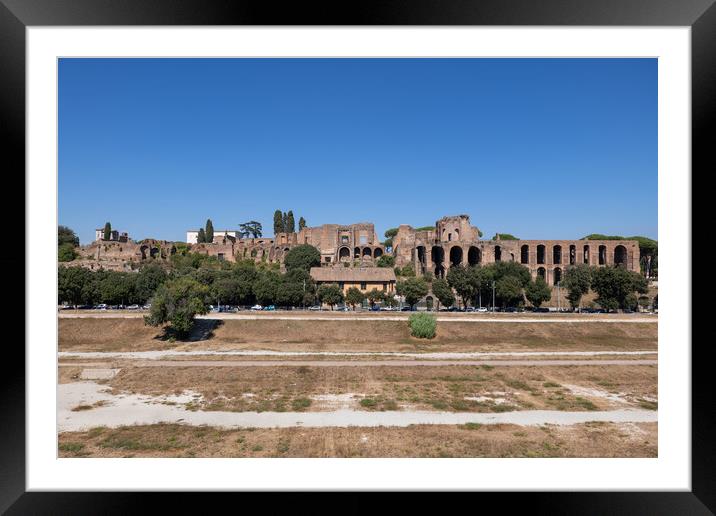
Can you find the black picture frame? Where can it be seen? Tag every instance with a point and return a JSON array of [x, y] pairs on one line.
[[17, 15]]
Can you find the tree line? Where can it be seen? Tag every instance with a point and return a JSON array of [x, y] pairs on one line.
[[283, 222]]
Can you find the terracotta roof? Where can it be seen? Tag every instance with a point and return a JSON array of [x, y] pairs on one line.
[[352, 274]]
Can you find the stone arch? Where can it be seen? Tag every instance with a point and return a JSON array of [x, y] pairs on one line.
[[586, 254], [512, 257], [620, 255], [143, 249], [540, 254], [498, 253], [437, 255], [557, 275], [602, 255], [344, 254], [153, 252], [455, 255], [377, 253], [572, 254], [525, 254], [557, 254], [542, 273], [367, 252], [474, 256], [356, 252]]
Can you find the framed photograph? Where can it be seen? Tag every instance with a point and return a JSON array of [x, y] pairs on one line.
[[415, 249]]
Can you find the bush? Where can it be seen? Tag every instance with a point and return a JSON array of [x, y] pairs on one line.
[[422, 325]]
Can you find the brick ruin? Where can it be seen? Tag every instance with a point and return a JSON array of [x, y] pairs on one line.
[[453, 241]]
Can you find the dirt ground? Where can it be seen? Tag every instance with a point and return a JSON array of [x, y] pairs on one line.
[[596, 439], [444, 388], [117, 334]]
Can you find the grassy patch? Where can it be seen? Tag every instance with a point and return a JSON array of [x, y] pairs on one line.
[[550, 384], [71, 447], [301, 403], [422, 325], [649, 405], [472, 426]]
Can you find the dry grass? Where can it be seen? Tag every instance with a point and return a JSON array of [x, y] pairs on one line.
[[584, 440], [107, 334], [391, 388]]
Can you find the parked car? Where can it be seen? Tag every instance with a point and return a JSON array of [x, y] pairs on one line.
[[315, 308], [407, 309], [101, 306], [482, 309], [133, 307], [257, 307], [270, 308], [375, 308], [471, 309]]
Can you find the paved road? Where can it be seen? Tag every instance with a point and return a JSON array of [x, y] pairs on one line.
[[364, 363], [337, 316]]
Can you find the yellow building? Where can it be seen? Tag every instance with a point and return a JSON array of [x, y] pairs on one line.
[[363, 278]]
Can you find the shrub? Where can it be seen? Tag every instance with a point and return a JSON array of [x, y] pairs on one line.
[[422, 325]]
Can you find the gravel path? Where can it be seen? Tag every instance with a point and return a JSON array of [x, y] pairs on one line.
[[133, 409], [370, 363], [157, 354]]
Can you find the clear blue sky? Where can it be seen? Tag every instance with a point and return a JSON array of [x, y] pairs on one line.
[[540, 148]]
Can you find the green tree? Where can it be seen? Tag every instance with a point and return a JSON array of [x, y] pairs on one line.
[[302, 257], [209, 231], [284, 222], [508, 291], [148, 280], [504, 236], [251, 228], [389, 234], [354, 297], [408, 271], [107, 231], [70, 284], [330, 294], [614, 284], [66, 236], [277, 222], [177, 302], [386, 260], [296, 288], [462, 279], [290, 224], [537, 292], [374, 295], [577, 280], [443, 292], [117, 287], [201, 237], [66, 252], [413, 289], [301, 223], [266, 287]]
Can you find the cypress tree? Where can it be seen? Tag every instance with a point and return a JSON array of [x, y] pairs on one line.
[[284, 224], [277, 222], [301, 223], [202, 236], [290, 224], [107, 231], [209, 232]]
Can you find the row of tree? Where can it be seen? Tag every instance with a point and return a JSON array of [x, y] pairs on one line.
[[283, 222], [510, 283]]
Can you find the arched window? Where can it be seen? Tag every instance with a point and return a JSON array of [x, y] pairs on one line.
[[540, 253], [541, 272], [620, 255], [498, 253], [344, 254], [474, 256], [572, 254], [586, 254], [455, 255], [557, 254], [525, 254], [557, 275], [602, 255]]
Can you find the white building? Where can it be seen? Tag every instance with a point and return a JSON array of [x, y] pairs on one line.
[[114, 235], [193, 235]]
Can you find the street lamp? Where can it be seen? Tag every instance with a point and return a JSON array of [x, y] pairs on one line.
[[493, 296]]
